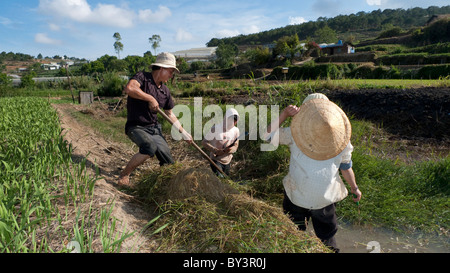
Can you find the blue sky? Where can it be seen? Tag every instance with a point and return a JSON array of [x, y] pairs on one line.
[[84, 28]]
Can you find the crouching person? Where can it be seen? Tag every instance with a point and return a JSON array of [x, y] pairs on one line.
[[222, 141]]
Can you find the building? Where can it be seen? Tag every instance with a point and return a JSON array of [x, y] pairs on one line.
[[51, 66], [197, 54], [338, 48]]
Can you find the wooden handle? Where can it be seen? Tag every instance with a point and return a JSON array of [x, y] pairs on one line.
[[194, 144]]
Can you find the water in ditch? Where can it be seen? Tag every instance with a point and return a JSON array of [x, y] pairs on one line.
[[359, 239]]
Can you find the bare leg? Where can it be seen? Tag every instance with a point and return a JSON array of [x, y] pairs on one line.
[[135, 161]]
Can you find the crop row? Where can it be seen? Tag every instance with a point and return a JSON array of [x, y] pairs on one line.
[[38, 179]]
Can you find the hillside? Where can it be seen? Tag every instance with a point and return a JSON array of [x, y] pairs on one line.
[[361, 26]]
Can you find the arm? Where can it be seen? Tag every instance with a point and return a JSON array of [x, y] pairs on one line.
[[229, 150], [349, 176], [186, 136], [133, 89], [218, 152], [289, 111], [209, 147], [232, 149]]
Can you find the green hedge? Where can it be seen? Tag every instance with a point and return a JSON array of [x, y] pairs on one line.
[[339, 71], [413, 59], [433, 71]]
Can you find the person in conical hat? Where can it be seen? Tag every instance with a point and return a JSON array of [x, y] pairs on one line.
[[222, 141], [319, 142]]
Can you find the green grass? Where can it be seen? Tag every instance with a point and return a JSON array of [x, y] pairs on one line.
[[401, 197], [112, 127], [40, 185]]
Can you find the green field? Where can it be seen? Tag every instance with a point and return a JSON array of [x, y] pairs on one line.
[[41, 186], [42, 189]]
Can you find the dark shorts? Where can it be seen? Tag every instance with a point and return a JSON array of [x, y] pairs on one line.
[[151, 142], [223, 167], [324, 220]]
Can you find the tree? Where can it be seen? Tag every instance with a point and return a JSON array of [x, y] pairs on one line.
[[287, 46], [27, 79], [326, 35], [225, 54], [5, 80], [138, 63], [155, 40], [118, 46], [258, 56]]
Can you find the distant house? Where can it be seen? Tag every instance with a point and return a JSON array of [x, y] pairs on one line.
[[197, 54], [338, 48], [51, 66]]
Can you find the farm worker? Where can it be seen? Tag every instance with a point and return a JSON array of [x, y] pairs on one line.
[[319, 142], [146, 93], [222, 141]]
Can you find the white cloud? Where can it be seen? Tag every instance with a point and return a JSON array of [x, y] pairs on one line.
[[148, 16], [373, 2], [112, 16], [183, 36], [5, 21], [224, 33], [102, 14], [42, 38], [296, 20], [78, 10], [251, 29], [54, 27]]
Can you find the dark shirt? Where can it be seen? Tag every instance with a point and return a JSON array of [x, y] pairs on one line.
[[138, 110]]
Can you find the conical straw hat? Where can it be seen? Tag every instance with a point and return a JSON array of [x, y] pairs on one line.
[[321, 130]]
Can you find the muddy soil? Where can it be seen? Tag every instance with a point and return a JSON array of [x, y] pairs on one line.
[[408, 113]]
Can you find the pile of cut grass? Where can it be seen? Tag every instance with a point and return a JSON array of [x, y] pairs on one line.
[[236, 223]]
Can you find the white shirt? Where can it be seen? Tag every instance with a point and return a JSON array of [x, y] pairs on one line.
[[221, 139], [313, 184]]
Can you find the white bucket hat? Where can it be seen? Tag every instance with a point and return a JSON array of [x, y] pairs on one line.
[[166, 60], [321, 130]]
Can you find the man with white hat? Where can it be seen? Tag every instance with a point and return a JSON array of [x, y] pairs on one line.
[[147, 93], [319, 141]]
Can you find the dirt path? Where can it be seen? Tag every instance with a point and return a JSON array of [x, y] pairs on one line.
[[109, 157]]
